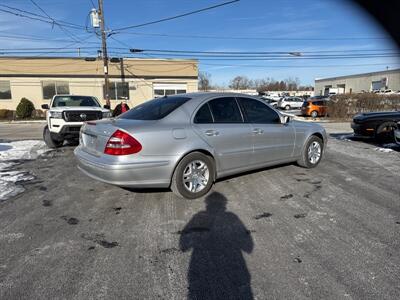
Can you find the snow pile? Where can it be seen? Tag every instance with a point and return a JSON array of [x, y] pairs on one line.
[[11, 155]]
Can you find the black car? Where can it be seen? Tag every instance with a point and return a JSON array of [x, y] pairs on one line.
[[378, 125]]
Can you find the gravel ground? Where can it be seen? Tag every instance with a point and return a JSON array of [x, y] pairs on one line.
[[332, 232]]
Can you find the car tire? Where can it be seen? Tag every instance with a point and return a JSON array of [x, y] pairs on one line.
[[314, 114], [385, 132], [316, 145], [287, 107], [50, 141], [192, 161]]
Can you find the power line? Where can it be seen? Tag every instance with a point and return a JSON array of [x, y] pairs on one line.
[[54, 21], [36, 38], [115, 31], [40, 16], [291, 52], [253, 38], [298, 66]]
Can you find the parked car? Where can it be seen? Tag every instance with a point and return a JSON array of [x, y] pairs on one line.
[[290, 103], [397, 134], [378, 125], [187, 141], [314, 108], [273, 95], [321, 97], [272, 102], [65, 116]]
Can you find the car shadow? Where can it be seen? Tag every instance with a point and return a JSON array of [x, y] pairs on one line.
[[217, 238], [349, 136], [147, 190], [225, 178]]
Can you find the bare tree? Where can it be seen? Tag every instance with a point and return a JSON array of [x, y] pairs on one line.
[[204, 81], [240, 83]]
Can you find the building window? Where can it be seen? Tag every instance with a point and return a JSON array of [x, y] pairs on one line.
[[5, 90], [51, 88], [168, 89], [118, 91]]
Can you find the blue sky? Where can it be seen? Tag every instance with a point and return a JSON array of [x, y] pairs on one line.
[[296, 20]]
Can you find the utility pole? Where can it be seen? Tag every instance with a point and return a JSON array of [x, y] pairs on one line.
[[105, 56]]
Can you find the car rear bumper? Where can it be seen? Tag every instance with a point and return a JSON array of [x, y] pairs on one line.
[[154, 174]]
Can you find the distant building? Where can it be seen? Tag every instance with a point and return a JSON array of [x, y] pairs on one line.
[[366, 82], [133, 79]]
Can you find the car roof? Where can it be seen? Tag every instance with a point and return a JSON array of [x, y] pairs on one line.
[[200, 96]]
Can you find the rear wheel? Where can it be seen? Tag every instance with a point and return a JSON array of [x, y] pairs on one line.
[[194, 176], [314, 114], [312, 153], [50, 140], [385, 132], [287, 107]]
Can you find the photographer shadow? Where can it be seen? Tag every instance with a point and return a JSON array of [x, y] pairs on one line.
[[217, 267]]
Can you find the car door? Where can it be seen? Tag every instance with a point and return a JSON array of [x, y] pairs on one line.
[[272, 140], [297, 102], [220, 123], [323, 108]]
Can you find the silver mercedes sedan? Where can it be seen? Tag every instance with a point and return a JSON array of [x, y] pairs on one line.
[[188, 141]]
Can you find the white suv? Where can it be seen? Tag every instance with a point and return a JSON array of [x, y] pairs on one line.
[[290, 102], [66, 114]]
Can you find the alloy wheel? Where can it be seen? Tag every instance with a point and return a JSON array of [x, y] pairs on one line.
[[314, 152], [196, 176]]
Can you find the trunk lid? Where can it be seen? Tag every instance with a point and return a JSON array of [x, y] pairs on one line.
[[95, 134]]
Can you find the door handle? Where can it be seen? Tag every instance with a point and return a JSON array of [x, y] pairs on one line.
[[211, 132], [258, 131]]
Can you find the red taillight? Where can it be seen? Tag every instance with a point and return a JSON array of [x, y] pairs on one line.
[[121, 143]]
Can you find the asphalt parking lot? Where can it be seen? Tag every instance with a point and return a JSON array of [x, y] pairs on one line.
[[285, 232]]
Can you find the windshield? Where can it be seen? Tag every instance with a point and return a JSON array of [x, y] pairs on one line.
[[75, 101], [155, 109]]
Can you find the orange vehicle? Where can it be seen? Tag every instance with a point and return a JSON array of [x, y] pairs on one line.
[[315, 108]]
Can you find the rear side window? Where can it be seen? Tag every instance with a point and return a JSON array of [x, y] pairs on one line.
[[203, 115], [225, 110], [155, 109], [257, 112]]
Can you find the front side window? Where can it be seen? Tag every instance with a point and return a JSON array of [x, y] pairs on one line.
[[5, 90], [52, 88], [74, 101], [225, 110], [155, 109], [257, 112], [203, 115]]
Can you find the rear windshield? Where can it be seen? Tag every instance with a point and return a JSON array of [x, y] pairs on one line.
[[155, 109], [75, 101]]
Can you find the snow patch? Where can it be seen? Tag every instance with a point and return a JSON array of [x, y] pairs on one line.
[[345, 137], [384, 150], [11, 155]]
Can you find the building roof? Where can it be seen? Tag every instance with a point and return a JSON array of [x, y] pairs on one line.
[[81, 67], [360, 75]]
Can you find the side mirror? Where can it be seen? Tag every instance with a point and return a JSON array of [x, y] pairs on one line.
[[106, 106], [45, 106], [285, 119]]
